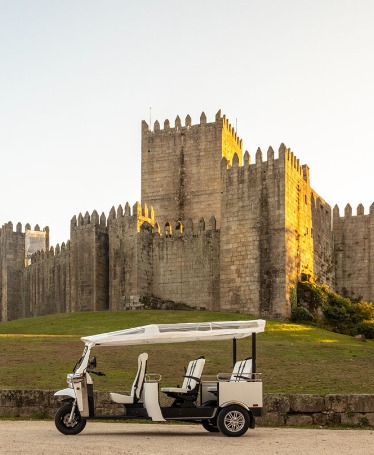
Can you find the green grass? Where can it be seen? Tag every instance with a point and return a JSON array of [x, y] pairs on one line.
[[37, 353]]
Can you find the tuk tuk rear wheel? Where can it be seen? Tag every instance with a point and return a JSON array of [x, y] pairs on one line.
[[62, 423], [233, 420]]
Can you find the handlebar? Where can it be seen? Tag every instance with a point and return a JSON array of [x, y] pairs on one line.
[[98, 373]]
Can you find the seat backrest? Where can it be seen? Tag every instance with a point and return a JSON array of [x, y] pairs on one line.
[[193, 373], [137, 386], [242, 370]]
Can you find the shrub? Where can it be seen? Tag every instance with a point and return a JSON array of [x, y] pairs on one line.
[[364, 328], [301, 314], [340, 314]]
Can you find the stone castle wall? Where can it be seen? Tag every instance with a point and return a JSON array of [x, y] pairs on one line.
[[186, 265], [214, 231], [354, 252]]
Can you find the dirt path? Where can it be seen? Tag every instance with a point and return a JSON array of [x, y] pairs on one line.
[[42, 438]]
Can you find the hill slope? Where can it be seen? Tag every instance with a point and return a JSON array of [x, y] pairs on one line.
[[37, 353]]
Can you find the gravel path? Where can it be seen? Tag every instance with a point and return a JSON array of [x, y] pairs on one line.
[[42, 438]]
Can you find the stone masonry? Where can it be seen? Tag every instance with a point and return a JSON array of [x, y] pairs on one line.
[[214, 230]]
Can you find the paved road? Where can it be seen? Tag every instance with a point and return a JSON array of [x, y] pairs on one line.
[[42, 438]]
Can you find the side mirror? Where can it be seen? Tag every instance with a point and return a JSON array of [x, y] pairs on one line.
[[92, 363]]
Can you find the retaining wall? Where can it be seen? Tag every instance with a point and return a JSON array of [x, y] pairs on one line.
[[279, 409]]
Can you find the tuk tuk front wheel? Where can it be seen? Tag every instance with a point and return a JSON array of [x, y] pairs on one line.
[[233, 420], [62, 417]]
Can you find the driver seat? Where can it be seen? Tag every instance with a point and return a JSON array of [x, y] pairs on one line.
[[137, 386]]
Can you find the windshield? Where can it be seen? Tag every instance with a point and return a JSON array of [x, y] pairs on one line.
[[79, 362]]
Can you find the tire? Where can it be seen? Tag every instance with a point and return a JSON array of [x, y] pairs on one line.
[[62, 420], [233, 420], [210, 425]]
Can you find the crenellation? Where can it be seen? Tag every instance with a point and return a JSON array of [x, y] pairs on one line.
[[112, 214], [360, 210], [201, 225], [137, 209], [258, 156], [246, 159], [95, 218], [119, 211], [127, 209], [270, 155], [145, 127], [235, 161], [348, 211], [156, 229]]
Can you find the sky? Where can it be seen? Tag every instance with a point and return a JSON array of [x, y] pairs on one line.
[[77, 77]]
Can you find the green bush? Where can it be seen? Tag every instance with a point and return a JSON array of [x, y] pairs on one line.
[[301, 314], [364, 328], [340, 314]]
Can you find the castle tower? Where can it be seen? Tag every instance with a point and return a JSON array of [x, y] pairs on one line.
[[89, 263], [130, 264], [181, 167], [15, 249], [267, 240], [354, 252]]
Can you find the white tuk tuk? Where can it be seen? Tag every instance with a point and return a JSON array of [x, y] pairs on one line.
[[226, 404]]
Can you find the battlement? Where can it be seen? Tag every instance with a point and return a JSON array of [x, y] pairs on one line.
[[8, 228], [88, 219], [360, 211], [220, 121], [189, 228], [285, 158], [41, 255]]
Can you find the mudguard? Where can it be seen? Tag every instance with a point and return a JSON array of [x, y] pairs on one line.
[[65, 392]]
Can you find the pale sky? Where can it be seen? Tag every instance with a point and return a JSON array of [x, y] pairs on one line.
[[77, 77]]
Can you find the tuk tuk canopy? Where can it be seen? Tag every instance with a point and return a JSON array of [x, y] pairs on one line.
[[177, 333]]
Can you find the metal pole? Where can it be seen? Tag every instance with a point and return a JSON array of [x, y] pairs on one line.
[[233, 352], [254, 352]]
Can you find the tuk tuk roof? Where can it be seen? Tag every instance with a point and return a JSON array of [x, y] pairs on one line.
[[177, 333]]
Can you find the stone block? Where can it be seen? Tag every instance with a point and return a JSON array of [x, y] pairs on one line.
[[360, 403], [271, 419], [336, 403], [299, 420], [277, 402], [307, 403]]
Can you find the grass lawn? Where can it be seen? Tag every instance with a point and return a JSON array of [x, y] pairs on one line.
[[37, 353]]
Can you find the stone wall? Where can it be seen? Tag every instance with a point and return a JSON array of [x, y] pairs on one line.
[[279, 409], [220, 233], [354, 252]]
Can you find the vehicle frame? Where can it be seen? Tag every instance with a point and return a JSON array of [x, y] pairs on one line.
[[220, 404]]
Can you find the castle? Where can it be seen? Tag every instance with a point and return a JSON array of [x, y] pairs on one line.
[[214, 230]]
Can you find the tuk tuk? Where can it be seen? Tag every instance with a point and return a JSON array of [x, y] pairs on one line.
[[226, 403]]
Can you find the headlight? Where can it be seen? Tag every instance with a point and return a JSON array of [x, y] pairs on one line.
[[73, 378]]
